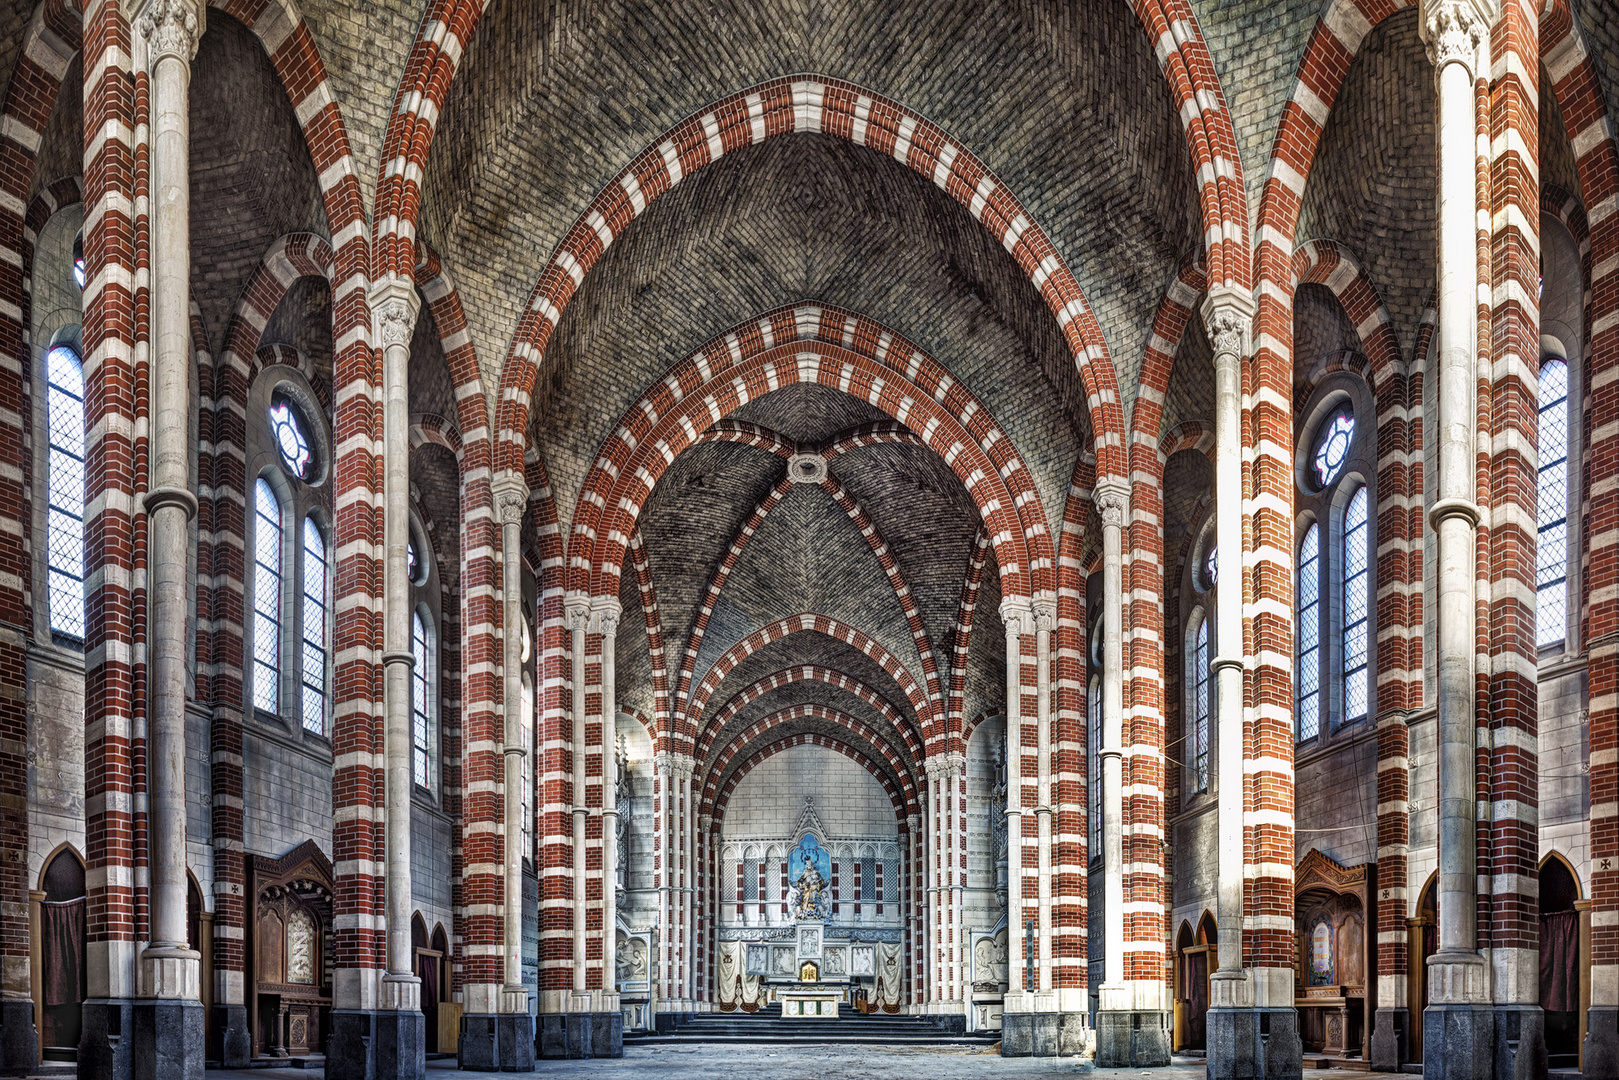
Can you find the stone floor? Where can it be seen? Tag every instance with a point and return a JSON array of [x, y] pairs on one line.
[[767, 1062]]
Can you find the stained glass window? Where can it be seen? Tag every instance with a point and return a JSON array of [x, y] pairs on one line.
[[314, 659], [1309, 635], [420, 702], [266, 598], [412, 561], [288, 428], [64, 406], [1357, 606], [1211, 568], [1332, 447], [1551, 551], [1200, 707], [79, 277]]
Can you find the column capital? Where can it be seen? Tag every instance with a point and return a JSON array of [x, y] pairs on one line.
[[576, 611], [946, 765], [673, 764], [1455, 29], [394, 305], [1228, 316], [511, 497], [607, 611], [172, 28], [1017, 613], [1112, 499], [1044, 609]]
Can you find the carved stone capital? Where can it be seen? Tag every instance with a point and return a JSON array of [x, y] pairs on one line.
[[576, 612], [1453, 30], [608, 611], [394, 304], [511, 497], [1017, 614], [172, 28], [1112, 500], [1045, 614]]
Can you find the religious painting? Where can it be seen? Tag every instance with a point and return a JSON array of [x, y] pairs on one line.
[[1321, 966]]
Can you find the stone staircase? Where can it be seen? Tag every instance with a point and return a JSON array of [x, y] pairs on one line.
[[849, 1028]]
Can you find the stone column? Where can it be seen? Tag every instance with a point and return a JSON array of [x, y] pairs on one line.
[[504, 1041], [955, 882], [398, 1045], [688, 891], [1027, 1025], [1130, 1027], [607, 1035], [168, 1016], [1045, 626], [1458, 1025], [576, 617]]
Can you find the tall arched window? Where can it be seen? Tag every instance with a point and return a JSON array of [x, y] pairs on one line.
[[1198, 680], [1308, 710], [266, 598], [314, 658], [1357, 607], [1551, 550], [64, 402], [1093, 705], [421, 722]]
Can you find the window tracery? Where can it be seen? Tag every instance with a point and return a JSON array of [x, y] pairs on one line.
[[64, 403], [1551, 547]]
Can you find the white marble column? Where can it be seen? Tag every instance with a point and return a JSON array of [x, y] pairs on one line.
[[511, 496], [576, 617], [1456, 32], [663, 766], [171, 29], [1045, 626], [1111, 501], [688, 891], [394, 306], [1017, 618], [1227, 315]]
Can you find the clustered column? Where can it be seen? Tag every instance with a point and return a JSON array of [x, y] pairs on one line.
[[1458, 1025], [608, 610], [1017, 618], [168, 1016]]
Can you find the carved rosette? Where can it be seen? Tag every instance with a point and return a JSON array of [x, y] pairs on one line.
[[171, 29], [1454, 35]]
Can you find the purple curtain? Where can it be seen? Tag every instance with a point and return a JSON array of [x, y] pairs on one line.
[[1559, 961], [427, 969], [62, 951]]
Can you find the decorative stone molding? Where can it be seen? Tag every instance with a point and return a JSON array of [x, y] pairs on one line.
[[1045, 614], [172, 28], [806, 469], [1454, 30], [1112, 499]]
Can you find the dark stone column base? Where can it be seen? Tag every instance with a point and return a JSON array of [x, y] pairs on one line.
[[581, 1035], [1254, 1044], [1520, 1042], [665, 1022], [1601, 1050], [496, 1042], [106, 1039], [1458, 1042], [1391, 1039], [1128, 1039], [233, 1043], [950, 1023], [382, 1045], [19, 1042], [1042, 1034], [169, 1040]]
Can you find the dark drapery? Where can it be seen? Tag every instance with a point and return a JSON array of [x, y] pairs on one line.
[[62, 951], [1559, 961], [427, 968]]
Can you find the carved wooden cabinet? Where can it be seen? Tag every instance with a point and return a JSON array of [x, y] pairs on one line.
[[1336, 956], [291, 921]]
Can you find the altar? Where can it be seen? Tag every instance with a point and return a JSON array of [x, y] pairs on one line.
[[810, 1003]]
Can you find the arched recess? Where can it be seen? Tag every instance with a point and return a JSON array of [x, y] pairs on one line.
[[902, 724], [873, 739], [804, 622], [831, 107], [715, 806], [811, 344]]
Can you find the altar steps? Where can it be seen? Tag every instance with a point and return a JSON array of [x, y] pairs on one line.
[[848, 1029]]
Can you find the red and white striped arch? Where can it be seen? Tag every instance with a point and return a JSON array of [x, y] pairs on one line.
[[810, 673], [854, 752]]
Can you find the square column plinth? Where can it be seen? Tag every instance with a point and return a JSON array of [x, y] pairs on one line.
[[1254, 1044]]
